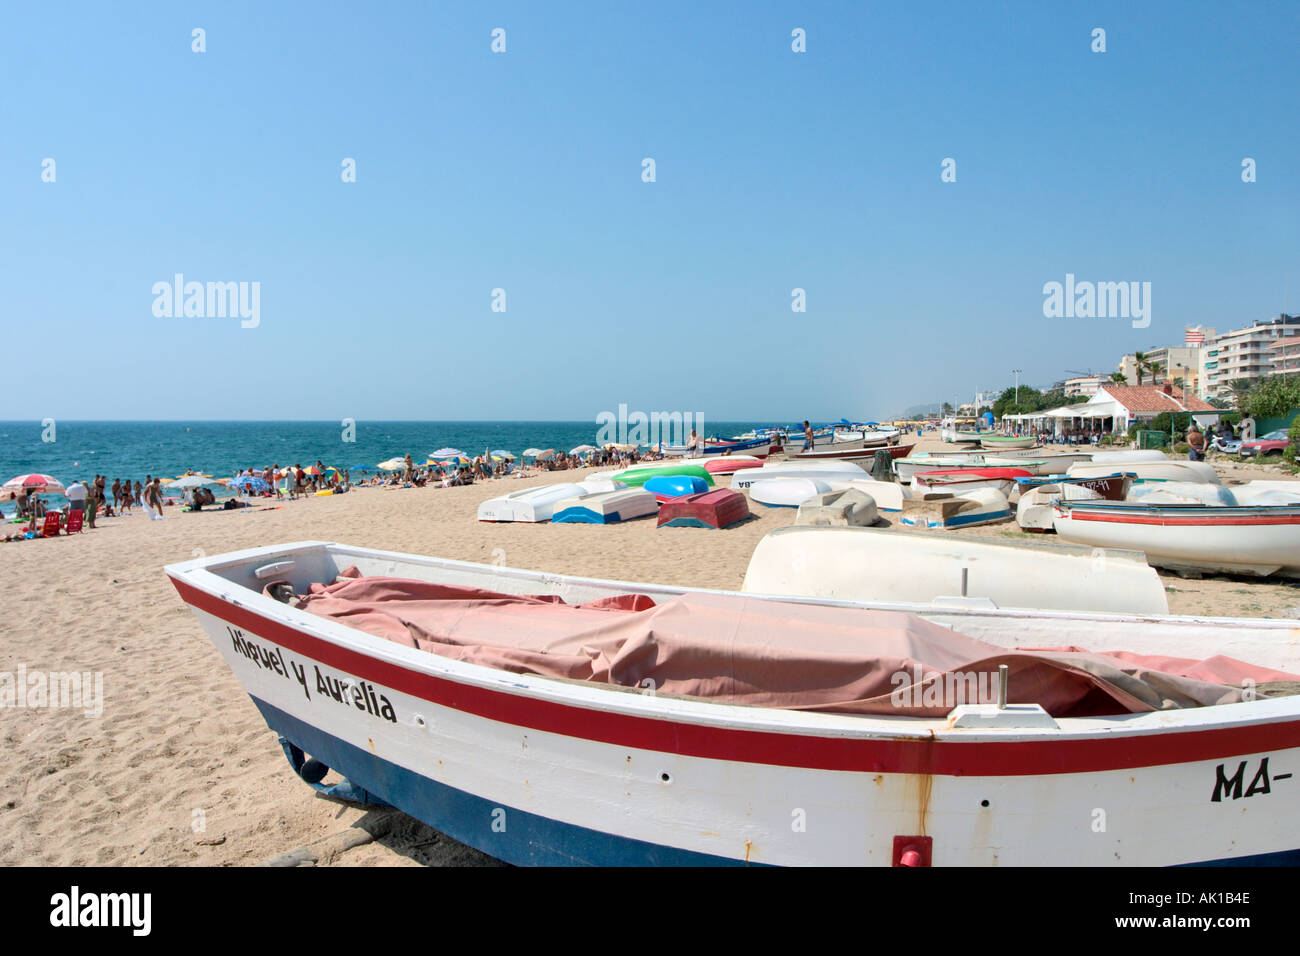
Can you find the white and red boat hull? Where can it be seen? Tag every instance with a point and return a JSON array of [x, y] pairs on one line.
[[535, 770]]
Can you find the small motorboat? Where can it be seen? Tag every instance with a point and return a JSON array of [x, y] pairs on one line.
[[1259, 540], [606, 507], [718, 509], [1111, 487]]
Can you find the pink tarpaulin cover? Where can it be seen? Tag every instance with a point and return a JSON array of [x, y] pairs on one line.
[[736, 650]]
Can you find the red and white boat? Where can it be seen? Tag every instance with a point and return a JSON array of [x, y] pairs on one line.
[[656, 756], [718, 509], [1262, 539], [730, 464]]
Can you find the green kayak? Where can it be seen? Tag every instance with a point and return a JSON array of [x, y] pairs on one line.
[[636, 477]]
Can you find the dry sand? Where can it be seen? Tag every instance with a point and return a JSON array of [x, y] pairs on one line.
[[180, 768]]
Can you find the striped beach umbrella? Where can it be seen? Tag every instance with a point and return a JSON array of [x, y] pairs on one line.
[[35, 482]]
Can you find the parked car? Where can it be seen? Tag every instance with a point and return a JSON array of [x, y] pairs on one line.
[[1229, 446], [1271, 444]]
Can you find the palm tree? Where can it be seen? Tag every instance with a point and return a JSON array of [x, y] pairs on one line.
[[1140, 360], [1119, 378], [1240, 388]]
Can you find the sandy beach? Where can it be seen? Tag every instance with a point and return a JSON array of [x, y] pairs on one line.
[[180, 768]]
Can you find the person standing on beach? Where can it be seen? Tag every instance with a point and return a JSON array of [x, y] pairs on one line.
[[92, 502], [154, 498], [807, 436], [76, 494], [1195, 443]]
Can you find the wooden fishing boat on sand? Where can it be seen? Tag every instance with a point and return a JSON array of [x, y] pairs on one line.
[[1259, 540], [728, 713]]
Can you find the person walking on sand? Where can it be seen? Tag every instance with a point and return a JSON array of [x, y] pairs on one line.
[[153, 497], [807, 436]]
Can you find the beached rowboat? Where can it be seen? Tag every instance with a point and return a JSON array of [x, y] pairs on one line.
[[605, 507], [532, 769], [1260, 540], [1006, 442], [528, 504], [718, 509]]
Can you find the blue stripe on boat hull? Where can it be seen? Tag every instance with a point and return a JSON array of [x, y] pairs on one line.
[[584, 516], [528, 839]]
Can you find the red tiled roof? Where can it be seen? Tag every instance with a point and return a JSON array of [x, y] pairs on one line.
[[1150, 398]]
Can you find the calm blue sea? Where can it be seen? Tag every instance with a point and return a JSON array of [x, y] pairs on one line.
[[136, 449]]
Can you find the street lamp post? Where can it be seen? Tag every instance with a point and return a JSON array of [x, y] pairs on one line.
[[1017, 371]]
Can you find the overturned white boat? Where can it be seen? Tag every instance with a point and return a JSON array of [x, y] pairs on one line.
[[816, 470], [664, 762], [847, 508], [528, 504], [865, 564], [888, 495], [934, 511], [787, 492], [606, 507], [1167, 470]]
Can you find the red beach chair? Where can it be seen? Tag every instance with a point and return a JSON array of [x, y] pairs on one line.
[[75, 521], [51, 527]]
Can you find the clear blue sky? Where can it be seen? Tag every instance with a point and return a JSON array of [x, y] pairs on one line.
[[522, 171]]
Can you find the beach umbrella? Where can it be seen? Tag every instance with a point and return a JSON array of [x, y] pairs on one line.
[[447, 453], [361, 468], [35, 482], [531, 452], [193, 481], [583, 450], [502, 453], [393, 464]]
